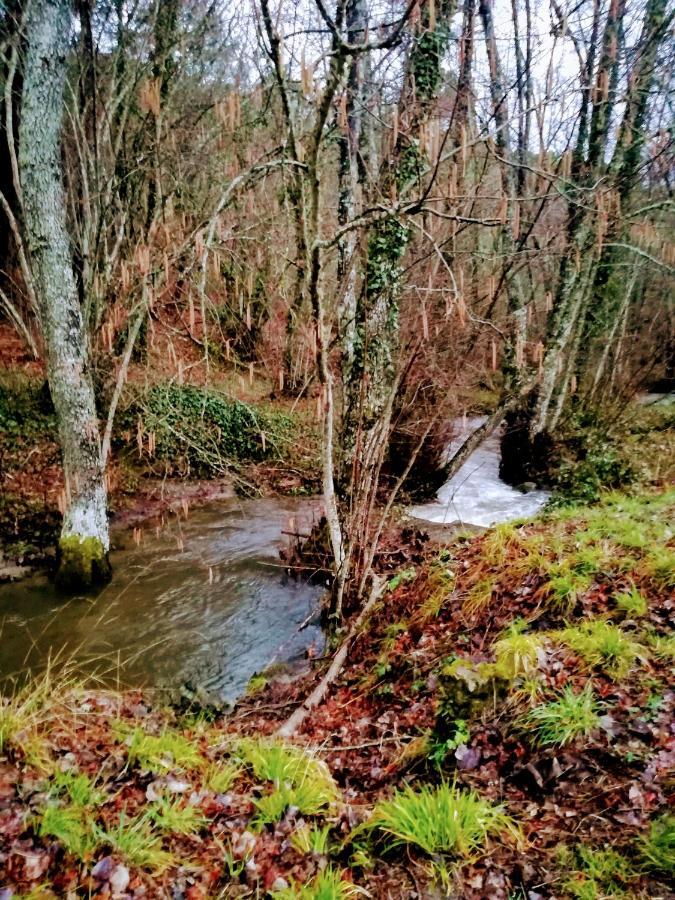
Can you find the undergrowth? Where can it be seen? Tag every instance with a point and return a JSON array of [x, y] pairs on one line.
[[192, 430]]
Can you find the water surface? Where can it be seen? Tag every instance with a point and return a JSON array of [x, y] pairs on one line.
[[476, 495], [203, 600]]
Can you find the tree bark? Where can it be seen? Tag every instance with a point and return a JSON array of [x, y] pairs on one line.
[[84, 541], [588, 273]]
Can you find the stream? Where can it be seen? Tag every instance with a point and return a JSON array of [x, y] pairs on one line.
[[205, 600], [476, 495]]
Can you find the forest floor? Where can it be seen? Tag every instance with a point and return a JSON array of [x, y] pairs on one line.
[[503, 728]]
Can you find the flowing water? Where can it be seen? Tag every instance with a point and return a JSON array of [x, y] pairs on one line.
[[204, 601], [476, 495]]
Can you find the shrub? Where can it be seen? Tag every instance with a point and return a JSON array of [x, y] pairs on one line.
[[26, 408], [593, 462], [204, 431]]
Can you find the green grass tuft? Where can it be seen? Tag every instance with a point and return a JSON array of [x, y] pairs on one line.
[[220, 777], [594, 874], [72, 827], [300, 779], [662, 646], [561, 721], [441, 819], [256, 683], [309, 798], [565, 585], [281, 763], [326, 885], [479, 595], [78, 788], [657, 848], [602, 644], [633, 603], [163, 752], [134, 839], [308, 839], [175, 817], [517, 654]]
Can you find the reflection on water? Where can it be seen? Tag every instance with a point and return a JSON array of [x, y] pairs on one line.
[[204, 600], [476, 495]]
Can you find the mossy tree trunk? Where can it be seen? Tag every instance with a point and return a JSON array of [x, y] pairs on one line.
[[84, 542], [370, 377], [590, 289], [352, 141]]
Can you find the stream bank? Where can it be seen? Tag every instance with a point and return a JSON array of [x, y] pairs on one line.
[[516, 682]]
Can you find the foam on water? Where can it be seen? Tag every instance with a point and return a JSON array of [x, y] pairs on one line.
[[476, 495]]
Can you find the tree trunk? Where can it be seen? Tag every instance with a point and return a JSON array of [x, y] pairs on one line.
[[512, 185], [84, 541], [374, 340], [588, 269]]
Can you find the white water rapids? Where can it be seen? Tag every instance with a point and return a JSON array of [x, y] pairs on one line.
[[476, 495]]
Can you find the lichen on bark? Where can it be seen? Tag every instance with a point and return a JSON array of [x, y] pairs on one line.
[[84, 536]]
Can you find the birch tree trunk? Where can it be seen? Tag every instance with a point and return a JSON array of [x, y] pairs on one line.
[[84, 541]]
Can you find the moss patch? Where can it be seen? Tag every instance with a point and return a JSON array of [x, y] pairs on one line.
[[83, 563]]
